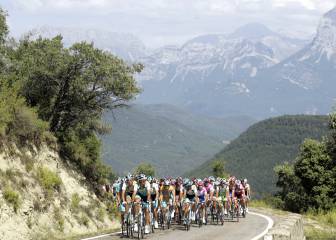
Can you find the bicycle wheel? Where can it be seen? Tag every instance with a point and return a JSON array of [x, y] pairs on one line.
[[200, 218]]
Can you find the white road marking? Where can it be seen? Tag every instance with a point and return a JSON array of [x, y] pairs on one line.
[[269, 226], [105, 235], [259, 236]]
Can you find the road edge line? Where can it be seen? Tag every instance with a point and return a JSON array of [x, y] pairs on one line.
[[105, 235], [269, 226]]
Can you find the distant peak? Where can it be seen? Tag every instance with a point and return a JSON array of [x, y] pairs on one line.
[[252, 30], [331, 14]]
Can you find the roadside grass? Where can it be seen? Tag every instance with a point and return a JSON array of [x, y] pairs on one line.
[[317, 224], [327, 218], [315, 234]]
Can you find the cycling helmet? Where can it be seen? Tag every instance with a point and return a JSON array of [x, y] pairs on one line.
[[212, 179], [173, 182], [205, 180], [166, 183], [245, 180], [149, 178], [200, 184], [142, 177], [216, 183], [186, 181]]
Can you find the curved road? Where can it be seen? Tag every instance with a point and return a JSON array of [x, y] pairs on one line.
[[248, 228]]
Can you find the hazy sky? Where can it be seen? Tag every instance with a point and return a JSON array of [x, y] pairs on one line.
[[159, 22]]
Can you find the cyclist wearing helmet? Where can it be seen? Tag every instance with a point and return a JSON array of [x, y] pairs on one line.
[[154, 186], [240, 192], [202, 197], [223, 195], [247, 193], [143, 195]]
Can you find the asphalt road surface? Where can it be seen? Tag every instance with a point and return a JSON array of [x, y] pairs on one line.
[[246, 229]]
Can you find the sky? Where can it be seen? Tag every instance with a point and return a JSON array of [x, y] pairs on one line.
[[163, 22]]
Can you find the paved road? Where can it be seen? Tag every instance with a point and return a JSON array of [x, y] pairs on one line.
[[246, 229]]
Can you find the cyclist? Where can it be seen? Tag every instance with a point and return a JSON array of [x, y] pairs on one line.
[[222, 195], [202, 198], [128, 192], [240, 192], [189, 194], [143, 196], [167, 196], [154, 191], [247, 193], [178, 186]]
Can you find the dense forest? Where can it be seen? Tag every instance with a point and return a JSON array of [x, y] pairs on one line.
[[256, 152]]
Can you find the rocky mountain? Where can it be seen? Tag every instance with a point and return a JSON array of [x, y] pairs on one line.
[[304, 82], [124, 45], [210, 72]]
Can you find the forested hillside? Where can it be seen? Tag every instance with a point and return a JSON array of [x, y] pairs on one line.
[[264, 145], [139, 136]]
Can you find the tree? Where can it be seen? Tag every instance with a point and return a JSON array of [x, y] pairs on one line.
[[218, 168], [70, 88], [310, 181], [3, 26], [145, 168]]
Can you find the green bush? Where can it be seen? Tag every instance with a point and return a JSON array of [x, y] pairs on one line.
[[101, 213], [83, 220], [12, 197], [75, 200], [145, 168], [49, 180]]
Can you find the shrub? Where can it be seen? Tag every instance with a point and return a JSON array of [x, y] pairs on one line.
[[101, 214], [145, 168], [12, 197], [49, 180], [75, 200], [83, 220], [59, 219]]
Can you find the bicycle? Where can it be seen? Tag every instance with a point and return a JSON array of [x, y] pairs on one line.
[[127, 228], [199, 214]]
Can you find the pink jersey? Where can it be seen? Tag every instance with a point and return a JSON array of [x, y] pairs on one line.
[[209, 188]]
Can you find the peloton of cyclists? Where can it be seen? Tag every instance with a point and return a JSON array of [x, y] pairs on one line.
[[182, 198]]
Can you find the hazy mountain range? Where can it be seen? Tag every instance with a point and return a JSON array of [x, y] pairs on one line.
[[170, 138], [252, 71]]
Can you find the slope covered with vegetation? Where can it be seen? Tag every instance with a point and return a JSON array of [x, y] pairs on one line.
[[139, 135], [54, 97], [256, 152]]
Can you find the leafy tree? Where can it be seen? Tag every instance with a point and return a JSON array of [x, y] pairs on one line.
[[145, 168], [310, 181], [3, 26], [218, 168]]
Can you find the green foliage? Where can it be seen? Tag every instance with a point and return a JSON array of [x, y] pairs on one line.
[[12, 197], [3, 26], [49, 180], [167, 143], [75, 200], [83, 220], [145, 168], [309, 183], [45, 86], [271, 142], [218, 168], [101, 213], [59, 218]]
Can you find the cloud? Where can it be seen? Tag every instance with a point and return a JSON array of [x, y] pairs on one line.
[[168, 19]]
